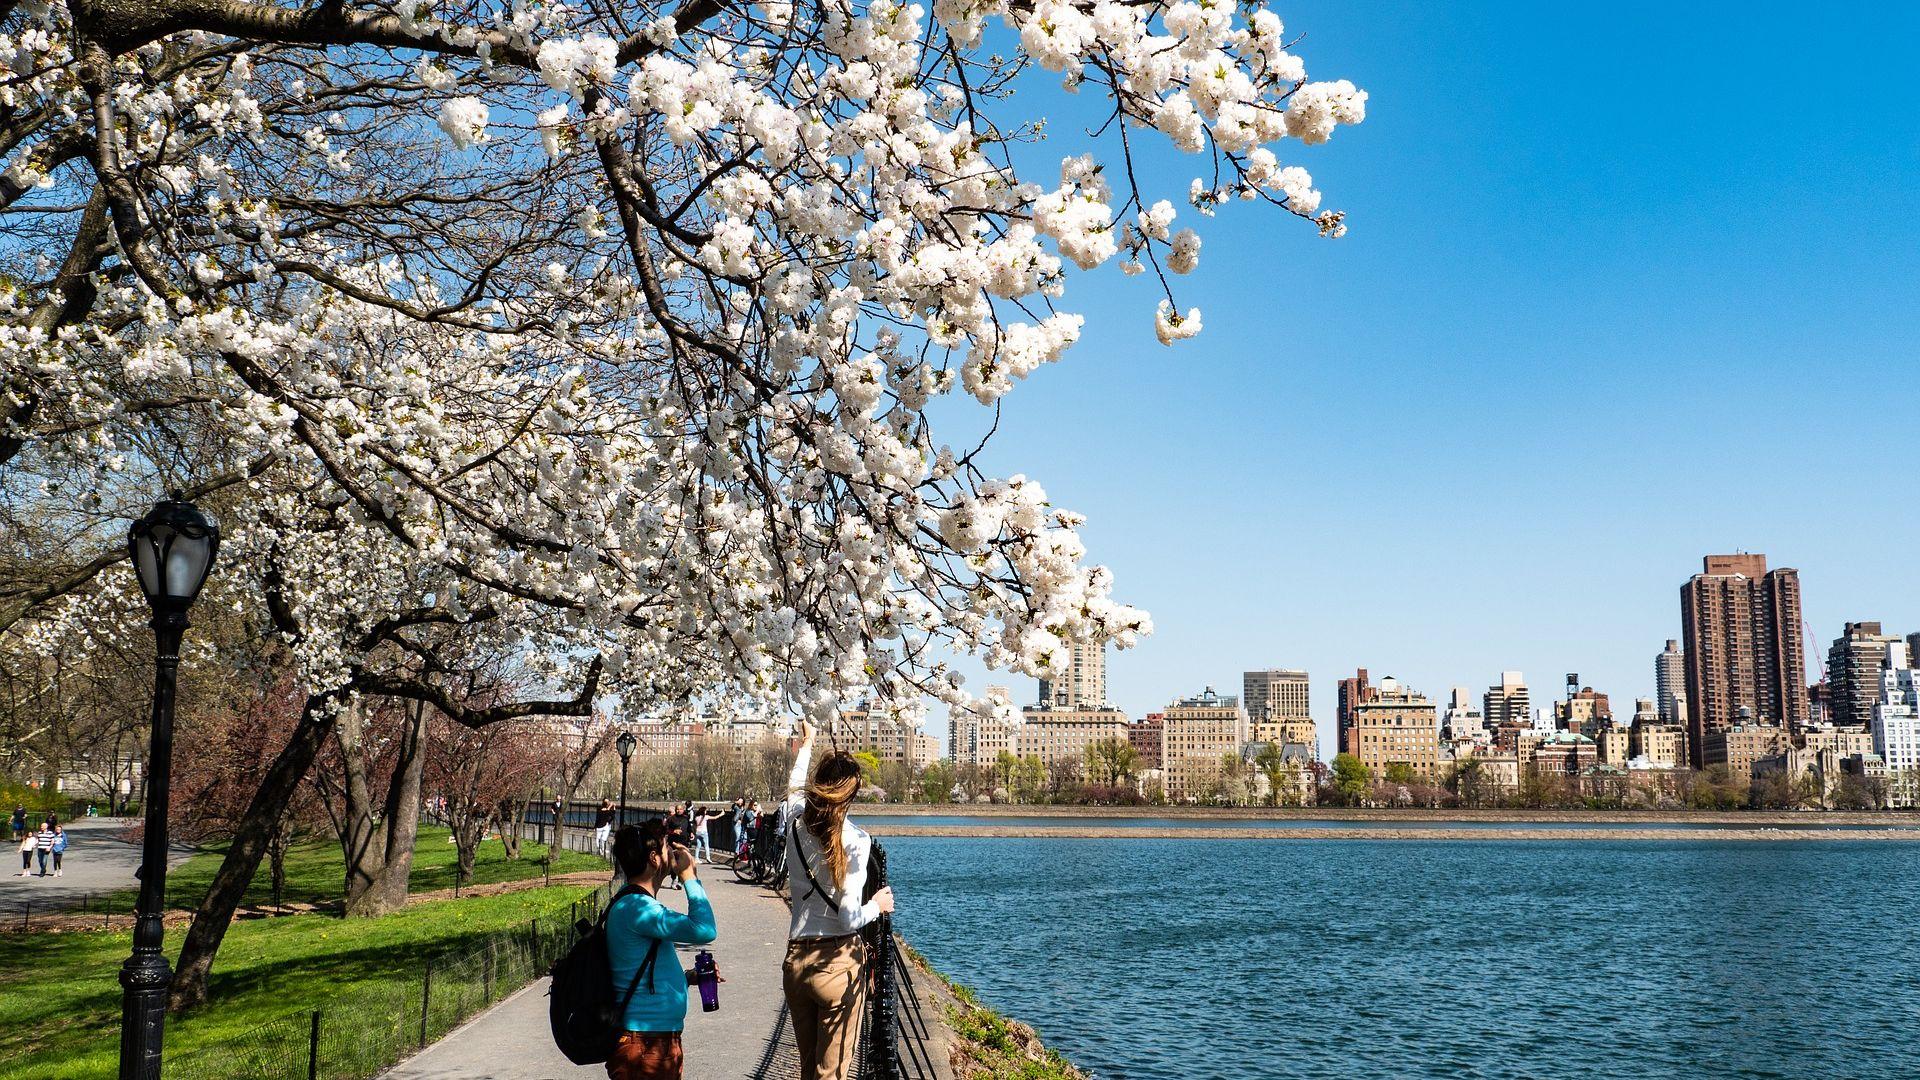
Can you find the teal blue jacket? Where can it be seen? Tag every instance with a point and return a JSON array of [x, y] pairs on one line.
[[634, 924]]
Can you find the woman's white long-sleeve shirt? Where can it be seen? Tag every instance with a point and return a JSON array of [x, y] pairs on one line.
[[840, 912]]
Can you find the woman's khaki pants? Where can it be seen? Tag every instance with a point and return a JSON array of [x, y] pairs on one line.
[[826, 984]]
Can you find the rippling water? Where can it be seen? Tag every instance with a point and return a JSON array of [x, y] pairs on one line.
[[879, 823], [1361, 958]]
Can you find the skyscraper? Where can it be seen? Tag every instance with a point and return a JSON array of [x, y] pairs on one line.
[[1507, 702], [1853, 673], [1275, 694], [1083, 685], [1353, 693], [1397, 726], [1670, 683], [1462, 720], [1896, 728], [1740, 625]]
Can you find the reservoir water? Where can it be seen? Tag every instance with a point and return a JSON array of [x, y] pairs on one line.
[[1498, 959]]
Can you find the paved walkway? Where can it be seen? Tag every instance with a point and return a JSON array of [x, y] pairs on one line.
[[97, 861], [742, 1041]]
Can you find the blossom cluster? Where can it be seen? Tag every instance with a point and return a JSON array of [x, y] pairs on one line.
[[619, 337]]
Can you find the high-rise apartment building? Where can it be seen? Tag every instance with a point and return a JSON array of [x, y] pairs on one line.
[[1854, 664], [1670, 683], [1896, 728], [1275, 694], [1060, 737], [1740, 626], [1354, 692], [979, 735], [1462, 720], [1083, 684], [1197, 733], [1149, 738], [1507, 702], [1584, 711], [1399, 726]]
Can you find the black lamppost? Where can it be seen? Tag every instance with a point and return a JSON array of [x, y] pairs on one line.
[[624, 747], [172, 548]]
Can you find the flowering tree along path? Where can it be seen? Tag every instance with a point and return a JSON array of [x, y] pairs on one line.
[[601, 337]]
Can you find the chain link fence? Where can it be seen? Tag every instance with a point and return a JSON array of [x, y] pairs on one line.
[[375, 1027]]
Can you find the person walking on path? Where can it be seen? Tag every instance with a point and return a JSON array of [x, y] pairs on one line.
[[639, 929], [59, 848], [28, 844], [681, 831], [43, 843], [603, 827], [702, 847], [19, 822], [824, 974]]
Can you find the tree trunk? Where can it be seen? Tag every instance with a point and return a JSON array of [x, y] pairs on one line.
[[466, 841], [215, 913], [379, 854], [509, 817]]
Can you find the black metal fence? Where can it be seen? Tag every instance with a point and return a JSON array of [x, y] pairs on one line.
[[375, 1027], [103, 909], [576, 831], [895, 1037]]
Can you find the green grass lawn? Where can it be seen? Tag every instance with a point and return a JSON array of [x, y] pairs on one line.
[[316, 874], [60, 995]]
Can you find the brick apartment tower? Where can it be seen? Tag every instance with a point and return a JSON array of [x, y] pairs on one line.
[[1740, 627], [1353, 693]]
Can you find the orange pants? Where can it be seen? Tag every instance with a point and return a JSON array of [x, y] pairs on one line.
[[825, 980], [646, 1055]]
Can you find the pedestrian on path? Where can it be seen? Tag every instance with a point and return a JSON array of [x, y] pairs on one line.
[[702, 847], [43, 843], [680, 829], [59, 848], [28, 844], [639, 929], [824, 975], [603, 827], [19, 822]]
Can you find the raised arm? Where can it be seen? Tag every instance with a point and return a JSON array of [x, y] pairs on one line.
[[802, 760]]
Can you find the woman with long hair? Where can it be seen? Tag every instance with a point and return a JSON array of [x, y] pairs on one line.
[[824, 975]]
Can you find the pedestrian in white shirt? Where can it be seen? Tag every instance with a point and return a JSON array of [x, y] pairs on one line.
[[824, 975]]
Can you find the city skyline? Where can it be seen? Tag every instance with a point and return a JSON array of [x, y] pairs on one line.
[[1497, 425], [1543, 687]]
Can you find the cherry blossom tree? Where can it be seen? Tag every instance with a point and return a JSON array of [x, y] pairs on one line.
[[484, 774], [608, 334]]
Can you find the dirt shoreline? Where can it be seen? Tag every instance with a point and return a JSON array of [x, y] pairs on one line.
[[1752, 818], [884, 829]]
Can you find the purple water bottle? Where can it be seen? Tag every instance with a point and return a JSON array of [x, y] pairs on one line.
[[709, 979]]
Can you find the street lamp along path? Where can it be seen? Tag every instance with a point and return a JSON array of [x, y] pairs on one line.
[[173, 548]]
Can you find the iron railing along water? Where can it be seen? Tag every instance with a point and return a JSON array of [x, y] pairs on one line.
[[895, 1036]]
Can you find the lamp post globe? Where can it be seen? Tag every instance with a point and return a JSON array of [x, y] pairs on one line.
[[172, 549], [624, 746]]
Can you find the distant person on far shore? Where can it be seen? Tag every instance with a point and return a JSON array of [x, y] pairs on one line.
[[824, 976], [59, 847]]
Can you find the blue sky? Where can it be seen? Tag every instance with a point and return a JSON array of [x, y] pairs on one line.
[[1621, 288]]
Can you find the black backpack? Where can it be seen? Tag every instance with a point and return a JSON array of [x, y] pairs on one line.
[[586, 1019]]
